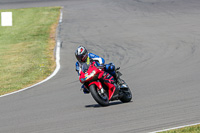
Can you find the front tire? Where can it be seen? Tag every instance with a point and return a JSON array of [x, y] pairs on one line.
[[100, 98]]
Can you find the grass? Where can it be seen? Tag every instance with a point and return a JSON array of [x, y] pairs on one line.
[[190, 129], [26, 48]]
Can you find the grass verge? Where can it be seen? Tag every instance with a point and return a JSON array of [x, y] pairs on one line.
[[190, 129], [26, 48]]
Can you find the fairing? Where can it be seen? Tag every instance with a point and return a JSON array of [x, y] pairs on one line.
[[89, 71]]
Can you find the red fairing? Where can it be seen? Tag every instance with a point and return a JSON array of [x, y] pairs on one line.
[[98, 84], [108, 81], [107, 78]]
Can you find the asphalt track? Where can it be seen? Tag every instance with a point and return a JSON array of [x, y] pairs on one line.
[[156, 43]]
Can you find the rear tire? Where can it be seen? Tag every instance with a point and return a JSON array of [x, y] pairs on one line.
[[100, 99], [127, 95]]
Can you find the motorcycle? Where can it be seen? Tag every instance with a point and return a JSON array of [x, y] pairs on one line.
[[103, 87]]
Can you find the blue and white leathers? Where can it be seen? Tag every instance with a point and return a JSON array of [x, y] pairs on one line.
[[99, 61], [110, 68]]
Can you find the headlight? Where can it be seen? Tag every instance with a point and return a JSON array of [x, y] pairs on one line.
[[83, 79]]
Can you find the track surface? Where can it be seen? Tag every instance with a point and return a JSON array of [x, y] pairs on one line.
[[156, 43]]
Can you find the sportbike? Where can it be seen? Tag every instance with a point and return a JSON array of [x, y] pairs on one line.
[[102, 85]]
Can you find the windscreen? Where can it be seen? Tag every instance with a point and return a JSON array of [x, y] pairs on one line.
[[85, 67]]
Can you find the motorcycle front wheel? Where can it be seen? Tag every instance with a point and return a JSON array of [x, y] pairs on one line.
[[99, 97]]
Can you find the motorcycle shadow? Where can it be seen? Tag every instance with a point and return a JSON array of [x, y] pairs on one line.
[[99, 106]]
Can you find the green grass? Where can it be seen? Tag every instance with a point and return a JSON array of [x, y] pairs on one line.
[[26, 48], [190, 129]]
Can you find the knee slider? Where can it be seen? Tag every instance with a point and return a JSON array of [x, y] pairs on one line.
[[112, 67]]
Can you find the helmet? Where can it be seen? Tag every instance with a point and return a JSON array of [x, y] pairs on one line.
[[81, 54]]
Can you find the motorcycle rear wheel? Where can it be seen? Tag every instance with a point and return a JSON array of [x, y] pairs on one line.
[[127, 95], [101, 99]]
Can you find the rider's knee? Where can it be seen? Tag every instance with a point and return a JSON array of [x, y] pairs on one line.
[[110, 67]]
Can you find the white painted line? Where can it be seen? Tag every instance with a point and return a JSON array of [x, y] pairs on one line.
[[175, 128], [6, 18], [52, 75], [61, 17]]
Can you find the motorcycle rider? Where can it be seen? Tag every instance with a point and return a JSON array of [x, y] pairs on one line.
[[83, 56]]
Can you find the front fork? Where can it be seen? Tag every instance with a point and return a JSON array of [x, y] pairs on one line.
[[100, 89], [113, 92], [99, 86]]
